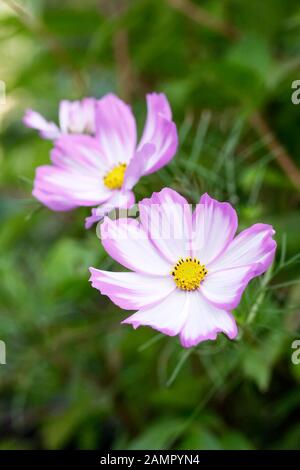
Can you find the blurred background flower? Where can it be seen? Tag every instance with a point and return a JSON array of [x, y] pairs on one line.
[[74, 378]]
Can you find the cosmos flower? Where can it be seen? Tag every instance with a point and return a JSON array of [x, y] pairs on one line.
[[188, 269], [75, 117], [89, 171]]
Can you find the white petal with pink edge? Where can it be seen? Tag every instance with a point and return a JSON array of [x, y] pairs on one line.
[[55, 202], [48, 130], [167, 219], [224, 288], [131, 291], [115, 129], [137, 165], [126, 242], [85, 190], [77, 116], [214, 226], [254, 246], [160, 131], [80, 153], [157, 105], [119, 200], [165, 141], [205, 321], [168, 316]]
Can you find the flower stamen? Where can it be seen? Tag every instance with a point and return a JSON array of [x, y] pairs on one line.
[[115, 177], [188, 273]]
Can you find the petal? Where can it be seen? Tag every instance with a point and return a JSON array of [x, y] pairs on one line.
[[118, 200], [116, 129], [254, 246], [157, 105], [131, 291], [214, 226], [77, 173], [160, 131], [55, 202], [63, 115], [224, 288], [48, 130], [81, 154], [167, 316], [205, 321], [79, 190], [137, 165], [77, 116], [71, 117], [89, 111], [122, 199], [166, 217], [93, 218], [128, 244]]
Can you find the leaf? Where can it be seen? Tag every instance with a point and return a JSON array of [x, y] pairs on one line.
[[157, 436], [68, 260], [201, 439], [253, 53], [257, 362], [234, 440]]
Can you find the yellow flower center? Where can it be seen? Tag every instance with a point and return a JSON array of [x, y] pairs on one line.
[[188, 273], [115, 177]]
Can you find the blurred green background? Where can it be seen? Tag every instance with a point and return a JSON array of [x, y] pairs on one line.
[[76, 378]]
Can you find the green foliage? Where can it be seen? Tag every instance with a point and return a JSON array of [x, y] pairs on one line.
[[76, 378]]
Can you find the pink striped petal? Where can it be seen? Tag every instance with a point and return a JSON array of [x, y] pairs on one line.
[[131, 291], [116, 129], [224, 288], [166, 217], [78, 190], [137, 165], [254, 246], [127, 243], [205, 321], [55, 202], [160, 131], [168, 316], [214, 226], [48, 130], [81, 154], [157, 105], [77, 117], [119, 200]]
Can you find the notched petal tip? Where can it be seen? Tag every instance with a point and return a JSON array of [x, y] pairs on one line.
[[91, 270], [212, 336]]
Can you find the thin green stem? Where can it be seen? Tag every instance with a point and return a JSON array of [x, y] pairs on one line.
[[151, 341], [183, 358]]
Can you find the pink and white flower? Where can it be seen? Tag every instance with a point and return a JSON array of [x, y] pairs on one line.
[[89, 171], [75, 117], [188, 269]]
